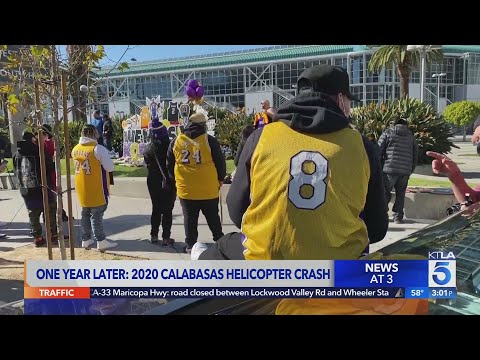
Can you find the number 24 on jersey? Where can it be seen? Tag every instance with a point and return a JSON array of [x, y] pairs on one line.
[[83, 165], [196, 156]]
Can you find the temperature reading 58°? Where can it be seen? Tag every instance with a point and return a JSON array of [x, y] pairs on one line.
[[417, 292]]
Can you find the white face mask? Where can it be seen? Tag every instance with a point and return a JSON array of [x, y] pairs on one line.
[[341, 103]]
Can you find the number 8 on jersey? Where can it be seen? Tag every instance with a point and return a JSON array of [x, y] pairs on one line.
[[307, 188]]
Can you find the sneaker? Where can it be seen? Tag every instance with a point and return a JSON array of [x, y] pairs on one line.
[[188, 249], [87, 244], [398, 221], [39, 241], [197, 249], [154, 239], [3, 236], [105, 244], [167, 242]]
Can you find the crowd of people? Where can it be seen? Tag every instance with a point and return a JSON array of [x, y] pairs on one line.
[[320, 193]]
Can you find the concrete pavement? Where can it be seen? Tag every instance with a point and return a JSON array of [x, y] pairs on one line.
[[127, 221], [465, 156]]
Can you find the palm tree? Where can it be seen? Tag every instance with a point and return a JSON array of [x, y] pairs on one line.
[[405, 61]]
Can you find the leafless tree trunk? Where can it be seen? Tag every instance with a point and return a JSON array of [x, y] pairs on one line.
[[78, 70], [56, 131]]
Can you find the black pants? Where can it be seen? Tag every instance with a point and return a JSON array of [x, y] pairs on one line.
[[108, 143], [399, 182], [34, 217], [191, 210], [162, 207], [228, 247]]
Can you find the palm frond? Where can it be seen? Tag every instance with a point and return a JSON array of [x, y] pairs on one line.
[[385, 55]]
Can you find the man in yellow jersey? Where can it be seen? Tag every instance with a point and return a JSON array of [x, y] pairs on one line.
[[264, 117], [311, 181], [92, 181], [309, 187], [197, 167]]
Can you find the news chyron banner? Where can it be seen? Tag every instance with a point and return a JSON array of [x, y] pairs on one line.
[[50, 283]]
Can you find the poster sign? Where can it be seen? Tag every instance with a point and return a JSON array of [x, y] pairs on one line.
[[138, 129]]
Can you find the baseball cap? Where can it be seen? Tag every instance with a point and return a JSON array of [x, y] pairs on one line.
[[327, 79], [48, 129]]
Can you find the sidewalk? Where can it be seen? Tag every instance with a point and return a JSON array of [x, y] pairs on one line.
[[465, 156], [127, 221]]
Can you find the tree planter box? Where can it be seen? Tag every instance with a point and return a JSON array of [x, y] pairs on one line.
[[8, 182]]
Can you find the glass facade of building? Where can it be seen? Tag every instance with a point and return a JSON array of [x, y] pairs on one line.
[[230, 84]]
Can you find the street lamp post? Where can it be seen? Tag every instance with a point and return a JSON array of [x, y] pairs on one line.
[[438, 76], [423, 56], [86, 91]]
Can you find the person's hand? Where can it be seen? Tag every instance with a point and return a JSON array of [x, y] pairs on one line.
[[442, 164], [220, 184], [476, 136]]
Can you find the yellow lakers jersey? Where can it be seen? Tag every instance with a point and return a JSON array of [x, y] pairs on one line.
[[261, 119], [91, 180], [195, 172], [306, 196]]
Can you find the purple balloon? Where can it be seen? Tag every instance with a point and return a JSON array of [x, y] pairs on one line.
[[200, 91], [192, 83], [190, 91]]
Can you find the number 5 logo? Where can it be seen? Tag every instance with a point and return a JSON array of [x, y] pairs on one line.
[[308, 169], [441, 267], [442, 274]]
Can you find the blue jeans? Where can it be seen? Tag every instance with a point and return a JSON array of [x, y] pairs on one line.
[[92, 221]]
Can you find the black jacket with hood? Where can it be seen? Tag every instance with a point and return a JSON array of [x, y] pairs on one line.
[[155, 155], [246, 132], [194, 130], [398, 150], [26, 162], [313, 113]]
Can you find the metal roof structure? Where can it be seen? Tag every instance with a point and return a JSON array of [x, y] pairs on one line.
[[260, 55], [273, 53]]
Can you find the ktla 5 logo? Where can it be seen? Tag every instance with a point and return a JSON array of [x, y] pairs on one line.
[[442, 273]]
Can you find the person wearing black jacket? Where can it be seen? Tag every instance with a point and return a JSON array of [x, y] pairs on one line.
[[399, 152], [162, 194], [107, 131], [197, 168], [246, 132], [26, 162], [318, 193]]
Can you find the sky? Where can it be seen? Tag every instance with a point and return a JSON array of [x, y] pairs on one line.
[[156, 52]]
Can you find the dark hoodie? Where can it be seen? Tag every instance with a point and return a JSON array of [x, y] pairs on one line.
[[26, 162], [398, 149], [155, 155], [246, 132], [194, 130], [314, 113]]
